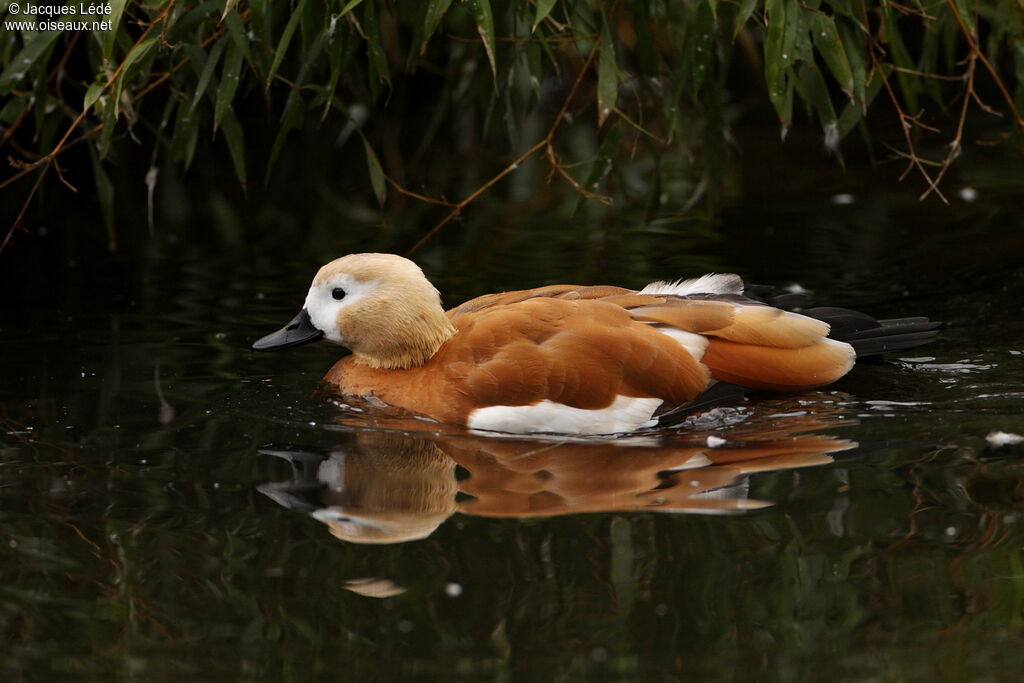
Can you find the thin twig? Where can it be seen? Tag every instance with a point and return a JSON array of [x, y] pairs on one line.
[[547, 142], [956, 144], [905, 124], [417, 195], [44, 163], [975, 50]]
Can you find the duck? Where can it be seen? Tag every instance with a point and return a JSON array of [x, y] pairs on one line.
[[570, 359]]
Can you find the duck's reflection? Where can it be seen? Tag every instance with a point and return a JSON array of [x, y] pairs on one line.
[[392, 487]]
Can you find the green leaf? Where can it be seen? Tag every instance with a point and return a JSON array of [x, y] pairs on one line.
[[602, 165], [853, 112], [830, 47], [185, 136], [286, 37], [236, 145], [779, 55], [229, 78], [207, 72], [854, 48], [105, 196], [607, 74], [379, 70], [91, 95], [432, 16], [377, 180], [746, 9], [36, 46], [107, 38], [484, 19], [811, 86], [348, 8], [544, 8], [291, 119], [135, 56], [228, 6], [701, 44], [909, 86]]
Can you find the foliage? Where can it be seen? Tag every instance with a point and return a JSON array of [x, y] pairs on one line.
[[587, 85]]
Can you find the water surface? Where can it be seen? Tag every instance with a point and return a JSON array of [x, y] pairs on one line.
[[166, 495]]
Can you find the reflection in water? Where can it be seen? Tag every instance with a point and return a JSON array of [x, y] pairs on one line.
[[392, 487]]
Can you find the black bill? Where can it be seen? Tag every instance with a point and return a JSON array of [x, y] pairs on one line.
[[296, 333]]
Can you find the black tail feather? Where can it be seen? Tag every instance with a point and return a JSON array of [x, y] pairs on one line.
[[718, 394], [871, 337]]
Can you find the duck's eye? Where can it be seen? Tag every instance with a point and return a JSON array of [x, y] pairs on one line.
[[338, 293]]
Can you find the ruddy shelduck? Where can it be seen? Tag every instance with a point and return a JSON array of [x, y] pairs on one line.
[[570, 359]]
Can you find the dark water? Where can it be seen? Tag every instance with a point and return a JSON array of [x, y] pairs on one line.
[[160, 484]]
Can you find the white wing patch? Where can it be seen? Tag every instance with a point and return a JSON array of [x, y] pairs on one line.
[[695, 344], [712, 283], [625, 414]]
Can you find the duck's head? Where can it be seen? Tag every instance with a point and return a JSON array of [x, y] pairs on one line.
[[379, 306]]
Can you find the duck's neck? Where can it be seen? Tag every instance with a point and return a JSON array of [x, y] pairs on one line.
[[409, 344]]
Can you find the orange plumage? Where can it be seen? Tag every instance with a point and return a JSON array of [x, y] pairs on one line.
[[559, 358]]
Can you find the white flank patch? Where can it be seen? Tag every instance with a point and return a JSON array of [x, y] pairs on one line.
[[695, 344], [712, 283], [625, 414], [997, 439]]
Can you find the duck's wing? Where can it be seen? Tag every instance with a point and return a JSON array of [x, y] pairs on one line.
[[740, 340], [751, 344], [565, 292]]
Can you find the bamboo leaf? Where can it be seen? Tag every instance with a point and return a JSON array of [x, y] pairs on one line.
[[348, 8], [746, 9], [91, 95], [484, 19], [811, 86], [830, 47], [779, 48], [229, 78], [134, 57], [544, 8], [602, 165], [435, 11], [235, 138], [853, 112], [774, 64], [853, 49], [207, 72], [909, 86], [701, 32], [290, 120], [105, 197], [228, 6], [377, 180], [185, 136], [36, 46], [108, 38], [607, 74], [379, 70], [181, 29], [286, 37]]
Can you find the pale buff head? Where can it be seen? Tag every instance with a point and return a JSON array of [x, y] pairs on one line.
[[381, 307]]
